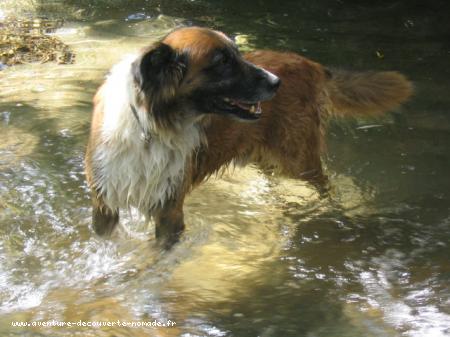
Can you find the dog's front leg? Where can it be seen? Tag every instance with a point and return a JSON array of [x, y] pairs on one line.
[[104, 219], [169, 222]]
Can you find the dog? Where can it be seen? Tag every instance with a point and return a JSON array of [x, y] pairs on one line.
[[191, 104]]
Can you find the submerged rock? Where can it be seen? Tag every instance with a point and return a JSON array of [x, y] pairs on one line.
[[24, 41]]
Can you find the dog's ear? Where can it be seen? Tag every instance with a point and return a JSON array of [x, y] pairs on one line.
[[158, 73]]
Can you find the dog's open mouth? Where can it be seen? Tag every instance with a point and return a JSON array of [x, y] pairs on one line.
[[241, 109]]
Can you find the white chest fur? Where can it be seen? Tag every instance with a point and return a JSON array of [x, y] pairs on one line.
[[127, 172]]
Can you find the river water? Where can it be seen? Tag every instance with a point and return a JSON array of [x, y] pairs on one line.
[[262, 256]]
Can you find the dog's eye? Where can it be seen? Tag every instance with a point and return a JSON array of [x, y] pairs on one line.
[[220, 59]]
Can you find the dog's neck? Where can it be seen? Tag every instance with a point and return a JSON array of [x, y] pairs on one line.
[[182, 133], [145, 133]]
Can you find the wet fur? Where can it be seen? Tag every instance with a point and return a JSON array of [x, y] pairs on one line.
[[188, 145]]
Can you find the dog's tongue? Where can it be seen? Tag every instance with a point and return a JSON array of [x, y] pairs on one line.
[[255, 108], [242, 105]]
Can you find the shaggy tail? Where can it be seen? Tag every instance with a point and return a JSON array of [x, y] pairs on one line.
[[367, 93]]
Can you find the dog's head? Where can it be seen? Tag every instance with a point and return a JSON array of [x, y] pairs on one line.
[[196, 71]]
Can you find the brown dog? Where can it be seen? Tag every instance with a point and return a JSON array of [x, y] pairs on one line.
[[167, 119]]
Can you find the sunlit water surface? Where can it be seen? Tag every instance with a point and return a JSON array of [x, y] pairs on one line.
[[262, 256]]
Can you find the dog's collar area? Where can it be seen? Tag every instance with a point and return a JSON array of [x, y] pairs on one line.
[[145, 135]]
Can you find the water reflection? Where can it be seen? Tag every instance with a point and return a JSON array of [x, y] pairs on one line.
[[262, 256]]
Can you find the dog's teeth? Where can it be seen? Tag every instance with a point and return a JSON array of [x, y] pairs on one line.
[[253, 109], [258, 109]]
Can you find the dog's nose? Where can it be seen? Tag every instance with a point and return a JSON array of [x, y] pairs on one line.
[[274, 81]]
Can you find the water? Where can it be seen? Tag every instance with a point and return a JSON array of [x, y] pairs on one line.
[[262, 256]]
